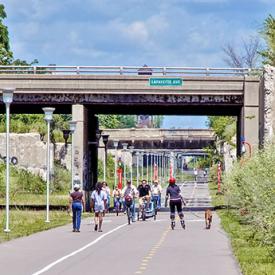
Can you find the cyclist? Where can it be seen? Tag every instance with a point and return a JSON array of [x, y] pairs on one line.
[[117, 197], [176, 200], [144, 191], [129, 193], [156, 193]]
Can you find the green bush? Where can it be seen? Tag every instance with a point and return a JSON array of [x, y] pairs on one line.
[[250, 186], [20, 181], [61, 180]]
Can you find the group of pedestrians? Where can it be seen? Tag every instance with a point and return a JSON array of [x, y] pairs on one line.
[[100, 200]]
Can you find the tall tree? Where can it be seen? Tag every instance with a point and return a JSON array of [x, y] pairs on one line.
[[223, 126], [6, 54], [247, 56], [268, 33]]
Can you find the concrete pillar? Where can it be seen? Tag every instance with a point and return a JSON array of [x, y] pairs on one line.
[[79, 114], [251, 112], [267, 105]]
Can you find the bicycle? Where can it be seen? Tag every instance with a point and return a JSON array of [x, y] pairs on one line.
[[128, 205], [142, 209], [155, 202], [117, 205]]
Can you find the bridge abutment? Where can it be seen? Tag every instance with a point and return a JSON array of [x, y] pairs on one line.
[[250, 113]]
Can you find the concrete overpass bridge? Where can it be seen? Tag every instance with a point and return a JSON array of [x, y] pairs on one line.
[[88, 91], [161, 139]]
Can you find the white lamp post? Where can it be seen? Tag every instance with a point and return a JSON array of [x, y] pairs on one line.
[[147, 167], [131, 166], [48, 117], [137, 154], [105, 138], [152, 163], [142, 173], [124, 146], [115, 145], [72, 125], [172, 164], [7, 99]]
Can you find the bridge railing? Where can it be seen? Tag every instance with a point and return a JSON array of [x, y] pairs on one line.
[[127, 70]]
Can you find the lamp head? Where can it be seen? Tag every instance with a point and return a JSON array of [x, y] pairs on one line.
[[124, 145], [8, 95], [115, 142], [105, 138], [72, 125], [98, 134], [48, 113], [66, 134], [131, 148]]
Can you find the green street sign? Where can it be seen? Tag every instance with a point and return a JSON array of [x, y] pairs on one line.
[[165, 82]]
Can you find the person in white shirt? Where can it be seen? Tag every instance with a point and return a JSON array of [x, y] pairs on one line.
[[98, 204], [106, 189], [195, 174], [156, 193], [129, 193]]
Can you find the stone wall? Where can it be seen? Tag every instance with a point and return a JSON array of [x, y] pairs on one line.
[[269, 104], [29, 151]]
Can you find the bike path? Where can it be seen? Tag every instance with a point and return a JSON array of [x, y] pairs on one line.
[[144, 247], [194, 250]]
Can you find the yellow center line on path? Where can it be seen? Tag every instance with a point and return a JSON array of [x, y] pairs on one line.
[[145, 261]]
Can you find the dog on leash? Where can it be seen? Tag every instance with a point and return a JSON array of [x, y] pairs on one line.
[[208, 218]]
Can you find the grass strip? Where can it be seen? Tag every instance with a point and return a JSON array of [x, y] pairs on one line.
[[253, 257], [24, 223], [37, 199]]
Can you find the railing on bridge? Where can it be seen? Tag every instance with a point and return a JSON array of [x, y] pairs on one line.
[[127, 70]]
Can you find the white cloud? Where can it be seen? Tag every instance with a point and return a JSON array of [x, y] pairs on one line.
[[122, 32]]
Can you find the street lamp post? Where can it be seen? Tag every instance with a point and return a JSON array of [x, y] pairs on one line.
[[137, 154], [105, 138], [131, 165], [48, 117], [124, 148], [147, 167], [7, 99], [72, 125], [141, 156], [171, 165], [152, 163], [115, 145]]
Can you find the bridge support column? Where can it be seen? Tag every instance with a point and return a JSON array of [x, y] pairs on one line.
[[79, 114], [250, 123], [86, 151]]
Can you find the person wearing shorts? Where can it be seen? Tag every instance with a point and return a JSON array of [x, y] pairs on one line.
[[173, 192], [98, 204]]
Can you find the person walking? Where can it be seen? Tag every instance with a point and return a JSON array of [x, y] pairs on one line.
[[76, 205], [176, 201], [156, 193], [98, 204], [106, 189]]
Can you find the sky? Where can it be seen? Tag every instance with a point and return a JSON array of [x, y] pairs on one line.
[[189, 33]]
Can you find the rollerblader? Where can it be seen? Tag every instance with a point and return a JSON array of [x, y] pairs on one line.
[[176, 201]]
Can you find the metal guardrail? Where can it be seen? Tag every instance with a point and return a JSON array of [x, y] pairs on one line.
[[126, 70]]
